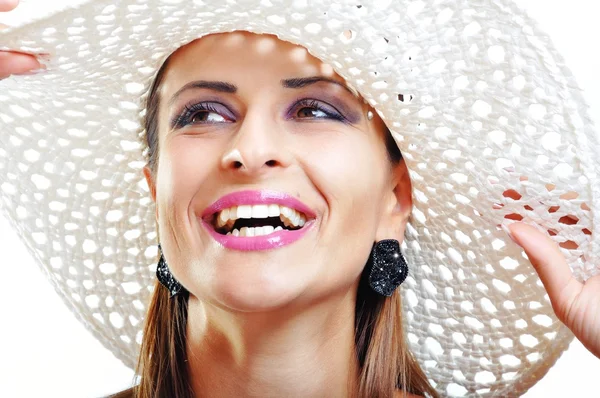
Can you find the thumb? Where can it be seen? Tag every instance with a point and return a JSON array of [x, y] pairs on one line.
[[551, 266], [7, 5]]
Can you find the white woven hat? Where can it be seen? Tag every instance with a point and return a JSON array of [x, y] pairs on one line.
[[490, 122]]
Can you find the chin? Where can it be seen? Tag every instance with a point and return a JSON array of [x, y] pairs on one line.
[[255, 287], [255, 299]]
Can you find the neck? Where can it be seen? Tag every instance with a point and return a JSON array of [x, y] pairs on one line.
[[287, 352]]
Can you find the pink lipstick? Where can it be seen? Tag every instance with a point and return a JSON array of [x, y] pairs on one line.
[[257, 220]]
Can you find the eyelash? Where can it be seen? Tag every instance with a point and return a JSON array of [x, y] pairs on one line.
[[190, 110], [328, 110]]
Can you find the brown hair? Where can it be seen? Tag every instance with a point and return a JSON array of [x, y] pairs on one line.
[[386, 364]]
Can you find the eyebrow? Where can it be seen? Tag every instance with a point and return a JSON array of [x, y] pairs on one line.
[[299, 82], [224, 87]]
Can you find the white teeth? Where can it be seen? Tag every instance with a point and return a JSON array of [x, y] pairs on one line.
[[224, 215], [286, 221], [274, 210], [233, 213], [260, 211], [257, 211], [244, 211], [226, 218], [286, 211], [291, 218], [223, 218], [267, 229], [301, 220], [255, 231]]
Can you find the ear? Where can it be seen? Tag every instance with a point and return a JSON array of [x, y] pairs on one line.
[[397, 205], [151, 185]]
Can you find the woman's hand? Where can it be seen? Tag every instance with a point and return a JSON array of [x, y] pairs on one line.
[[14, 63], [576, 304]]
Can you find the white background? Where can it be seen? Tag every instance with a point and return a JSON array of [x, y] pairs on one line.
[[45, 352]]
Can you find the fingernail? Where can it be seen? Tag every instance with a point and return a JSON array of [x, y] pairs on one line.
[[34, 71], [510, 235]]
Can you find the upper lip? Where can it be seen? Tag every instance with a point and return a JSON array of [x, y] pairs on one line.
[[256, 197]]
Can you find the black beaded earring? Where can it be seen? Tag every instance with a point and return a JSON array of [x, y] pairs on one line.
[[388, 267], [166, 278]]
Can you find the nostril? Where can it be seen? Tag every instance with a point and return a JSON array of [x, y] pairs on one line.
[[271, 163], [237, 164]]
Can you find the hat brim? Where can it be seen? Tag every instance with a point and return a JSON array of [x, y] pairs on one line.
[[491, 124]]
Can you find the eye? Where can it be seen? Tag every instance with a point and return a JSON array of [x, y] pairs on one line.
[[206, 116], [203, 113], [314, 109], [310, 112]]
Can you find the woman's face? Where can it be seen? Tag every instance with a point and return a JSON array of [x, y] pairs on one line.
[[259, 138]]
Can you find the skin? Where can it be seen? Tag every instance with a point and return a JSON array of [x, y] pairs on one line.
[[268, 324], [278, 322], [11, 62], [576, 304], [306, 307]]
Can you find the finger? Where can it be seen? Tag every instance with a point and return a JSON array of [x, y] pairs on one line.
[[14, 63], [550, 264], [7, 5]]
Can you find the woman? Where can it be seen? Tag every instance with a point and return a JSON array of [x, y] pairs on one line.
[[274, 184], [275, 132]]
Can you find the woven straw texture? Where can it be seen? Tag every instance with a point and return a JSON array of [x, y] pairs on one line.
[[491, 124]]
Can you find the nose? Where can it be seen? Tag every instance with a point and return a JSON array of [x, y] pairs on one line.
[[257, 147]]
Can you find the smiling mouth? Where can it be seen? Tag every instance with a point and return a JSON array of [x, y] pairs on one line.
[[257, 220]]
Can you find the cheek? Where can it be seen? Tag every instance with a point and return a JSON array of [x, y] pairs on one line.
[[349, 172], [183, 173], [184, 165], [350, 175], [184, 170]]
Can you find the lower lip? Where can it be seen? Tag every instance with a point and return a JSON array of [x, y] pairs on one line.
[[255, 243]]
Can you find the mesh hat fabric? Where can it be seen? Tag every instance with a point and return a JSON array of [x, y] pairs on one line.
[[491, 124]]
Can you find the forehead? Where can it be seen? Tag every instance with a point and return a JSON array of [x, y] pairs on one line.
[[225, 56]]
